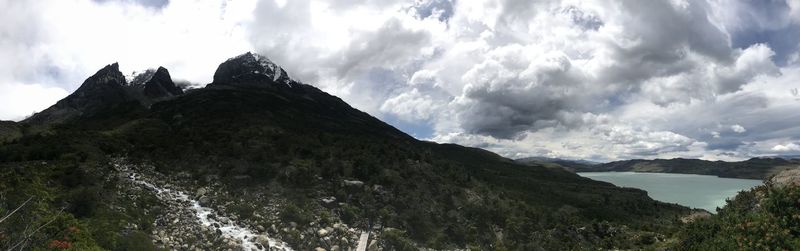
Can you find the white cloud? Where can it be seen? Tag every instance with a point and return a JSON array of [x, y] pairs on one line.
[[567, 78], [738, 129], [59, 43], [790, 147], [18, 101]]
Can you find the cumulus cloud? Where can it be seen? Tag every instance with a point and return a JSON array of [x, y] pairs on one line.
[[790, 147], [601, 80], [738, 129]]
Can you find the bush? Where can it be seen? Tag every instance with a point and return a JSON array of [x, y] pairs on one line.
[[135, 241], [397, 240]]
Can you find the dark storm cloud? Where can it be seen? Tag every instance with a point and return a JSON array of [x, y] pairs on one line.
[[505, 103], [667, 36], [511, 93]]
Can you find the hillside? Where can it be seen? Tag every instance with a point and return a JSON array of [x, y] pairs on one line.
[[567, 164], [755, 168], [285, 164], [9, 130], [764, 218]]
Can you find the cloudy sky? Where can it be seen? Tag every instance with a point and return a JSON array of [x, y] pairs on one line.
[[600, 80]]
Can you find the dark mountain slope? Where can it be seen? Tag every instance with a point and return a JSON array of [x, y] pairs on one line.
[[755, 168], [9, 130], [257, 143]]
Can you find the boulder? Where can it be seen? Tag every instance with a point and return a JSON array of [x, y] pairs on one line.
[[263, 240], [353, 183], [322, 232], [786, 178], [201, 191], [328, 200]]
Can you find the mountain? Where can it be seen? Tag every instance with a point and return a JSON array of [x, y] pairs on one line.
[[568, 164], [256, 160], [153, 85], [755, 168], [788, 157], [106, 91]]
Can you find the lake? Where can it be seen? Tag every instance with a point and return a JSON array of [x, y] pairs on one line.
[[691, 190]]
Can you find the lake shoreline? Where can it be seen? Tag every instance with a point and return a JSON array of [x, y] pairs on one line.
[[691, 190], [639, 171]]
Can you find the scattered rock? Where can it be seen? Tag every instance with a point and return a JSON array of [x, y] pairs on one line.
[[204, 200], [200, 192], [263, 240], [353, 183], [328, 200], [322, 232]]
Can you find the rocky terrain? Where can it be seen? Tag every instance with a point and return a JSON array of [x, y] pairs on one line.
[[188, 223], [194, 220]]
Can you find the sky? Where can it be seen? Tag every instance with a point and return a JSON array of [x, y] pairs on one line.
[[597, 80]]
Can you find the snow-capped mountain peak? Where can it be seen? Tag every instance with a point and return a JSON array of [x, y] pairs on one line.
[[248, 64]]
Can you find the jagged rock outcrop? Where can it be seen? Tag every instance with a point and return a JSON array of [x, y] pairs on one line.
[[160, 85], [152, 86], [98, 93], [106, 90], [253, 70]]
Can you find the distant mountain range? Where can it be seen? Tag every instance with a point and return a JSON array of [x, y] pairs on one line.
[[569, 164], [755, 168]]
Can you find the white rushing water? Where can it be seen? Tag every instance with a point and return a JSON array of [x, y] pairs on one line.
[[228, 228]]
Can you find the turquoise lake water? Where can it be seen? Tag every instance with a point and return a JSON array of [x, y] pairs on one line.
[[691, 190]]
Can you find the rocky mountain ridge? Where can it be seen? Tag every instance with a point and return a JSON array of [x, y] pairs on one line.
[[107, 89], [276, 152]]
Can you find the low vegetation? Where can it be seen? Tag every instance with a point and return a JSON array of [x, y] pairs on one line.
[[764, 218]]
